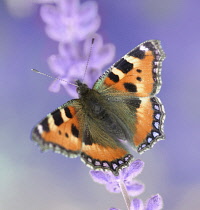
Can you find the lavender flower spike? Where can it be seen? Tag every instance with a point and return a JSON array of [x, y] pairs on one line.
[[126, 176], [73, 25], [68, 20], [70, 63]]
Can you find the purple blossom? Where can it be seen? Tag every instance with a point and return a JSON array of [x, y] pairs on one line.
[[68, 20], [74, 25], [70, 63], [153, 203], [126, 176]]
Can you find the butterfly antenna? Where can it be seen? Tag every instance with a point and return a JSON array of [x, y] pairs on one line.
[[55, 78], [88, 59]]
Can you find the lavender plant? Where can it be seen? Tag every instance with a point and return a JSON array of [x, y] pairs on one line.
[[128, 186]]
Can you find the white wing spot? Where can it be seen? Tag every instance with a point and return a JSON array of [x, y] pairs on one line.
[[155, 134], [149, 140], [40, 129], [157, 116], [143, 48], [156, 107], [156, 124]]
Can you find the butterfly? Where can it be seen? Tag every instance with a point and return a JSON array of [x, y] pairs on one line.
[[121, 107]]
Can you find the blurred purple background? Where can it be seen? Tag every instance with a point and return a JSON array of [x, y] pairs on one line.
[[33, 180]]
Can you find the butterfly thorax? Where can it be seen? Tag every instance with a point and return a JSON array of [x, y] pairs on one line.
[[90, 99]]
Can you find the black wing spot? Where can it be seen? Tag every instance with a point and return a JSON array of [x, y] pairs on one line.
[[124, 65], [75, 131], [130, 87], [58, 120], [88, 142], [113, 77], [66, 135], [59, 132], [87, 137], [67, 112], [139, 79], [45, 125], [150, 46], [139, 70], [137, 53]]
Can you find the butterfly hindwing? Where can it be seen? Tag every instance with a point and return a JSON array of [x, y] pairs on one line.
[[148, 126], [97, 156], [100, 148], [60, 130]]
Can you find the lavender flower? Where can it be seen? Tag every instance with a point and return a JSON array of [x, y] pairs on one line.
[[154, 203], [67, 21], [126, 184], [74, 25], [126, 176], [70, 63]]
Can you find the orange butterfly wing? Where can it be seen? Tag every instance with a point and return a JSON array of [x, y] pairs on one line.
[[60, 130]]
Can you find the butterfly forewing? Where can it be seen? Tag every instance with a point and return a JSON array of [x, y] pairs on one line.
[[60, 130], [137, 73]]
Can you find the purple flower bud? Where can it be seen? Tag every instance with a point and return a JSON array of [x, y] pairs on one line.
[[154, 203], [137, 204]]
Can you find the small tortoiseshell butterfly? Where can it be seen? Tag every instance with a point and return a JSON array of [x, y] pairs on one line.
[[120, 107]]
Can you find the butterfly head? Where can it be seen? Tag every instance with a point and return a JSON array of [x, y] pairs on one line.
[[82, 88]]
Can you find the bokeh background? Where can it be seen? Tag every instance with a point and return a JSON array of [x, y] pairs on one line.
[[33, 180]]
